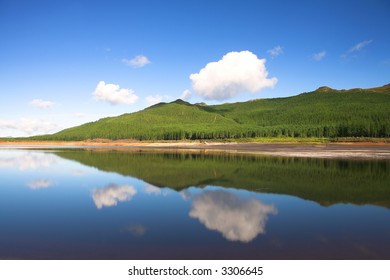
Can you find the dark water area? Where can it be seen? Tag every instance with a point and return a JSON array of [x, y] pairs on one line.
[[129, 204]]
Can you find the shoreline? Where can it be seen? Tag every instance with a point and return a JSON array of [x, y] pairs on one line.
[[349, 150]]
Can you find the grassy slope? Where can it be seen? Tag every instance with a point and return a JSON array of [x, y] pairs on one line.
[[322, 113]]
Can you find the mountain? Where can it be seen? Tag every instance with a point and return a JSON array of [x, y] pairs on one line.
[[324, 112]]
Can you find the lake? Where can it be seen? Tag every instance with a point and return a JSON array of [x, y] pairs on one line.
[[92, 203]]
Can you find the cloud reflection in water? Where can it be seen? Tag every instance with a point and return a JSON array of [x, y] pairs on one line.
[[39, 184], [112, 194], [27, 160], [237, 218]]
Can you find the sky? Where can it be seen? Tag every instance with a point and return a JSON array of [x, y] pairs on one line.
[[65, 63]]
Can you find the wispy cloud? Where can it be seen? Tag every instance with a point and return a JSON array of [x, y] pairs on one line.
[[113, 94], [137, 62], [357, 48], [29, 126], [136, 230], [154, 99], [186, 95], [276, 51], [360, 46], [319, 56], [43, 104], [28, 160]]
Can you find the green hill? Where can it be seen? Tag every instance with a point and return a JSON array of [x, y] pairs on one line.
[[322, 113]]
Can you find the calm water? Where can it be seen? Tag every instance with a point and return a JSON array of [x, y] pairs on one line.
[[105, 204]]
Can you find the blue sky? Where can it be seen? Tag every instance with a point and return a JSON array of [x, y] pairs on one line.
[[64, 63]]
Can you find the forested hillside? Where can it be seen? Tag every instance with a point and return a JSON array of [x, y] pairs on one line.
[[322, 113]]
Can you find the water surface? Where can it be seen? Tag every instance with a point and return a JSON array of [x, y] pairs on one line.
[[130, 204]]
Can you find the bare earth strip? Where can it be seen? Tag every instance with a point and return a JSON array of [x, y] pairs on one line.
[[338, 150]]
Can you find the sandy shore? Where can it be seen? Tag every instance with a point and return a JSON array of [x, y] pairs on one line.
[[334, 150]]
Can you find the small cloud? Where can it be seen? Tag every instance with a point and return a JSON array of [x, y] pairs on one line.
[[136, 230], [112, 194], [276, 51], [319, 56], [151, 100], [150, 189], [30, 126], [186, 95], [235, 73], [359, 46], [43, 104], [154, 99], [356, 48], [39, 184], [137, 62], [113, 94]]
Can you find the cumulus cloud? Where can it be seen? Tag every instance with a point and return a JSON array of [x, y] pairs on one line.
[[137, 62], [112, 194], [43, 104], [319, 56], [276, 51], [113, 94], [39, 184], [29, 126], [235, 73], [238, 219], [186, 95]]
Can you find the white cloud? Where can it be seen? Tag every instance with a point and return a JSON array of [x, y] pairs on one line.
[[151, 100], [43, 104], [112, 194], [238, 219], [137, 62], [150, 189], [359, 46], [235, 73], [186, 95], [154, 99], [276, 51], [113, 94], [30, 126], [39, 184], [319, 56], [153, 190], [356, 48]]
